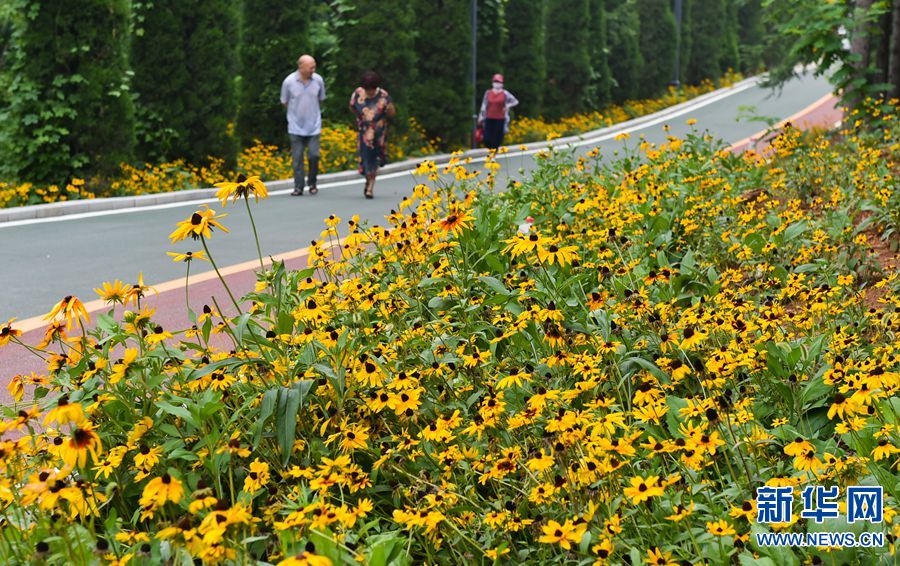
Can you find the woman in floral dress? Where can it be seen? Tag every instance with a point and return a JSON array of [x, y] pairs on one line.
[[372, 106]]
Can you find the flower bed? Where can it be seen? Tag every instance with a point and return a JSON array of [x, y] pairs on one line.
[[338, 152], [612, 383]]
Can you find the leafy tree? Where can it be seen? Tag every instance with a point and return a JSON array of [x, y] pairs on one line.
[[568, 57], [492, 41], [68, 113], [625, 60], [162, 80], [372, 38], [686, 39], [275, 34], [601, 78], [840, 38], [524, 64], [442, 98], [894, 68], [186, 91], [708, 21], [730, 58], [657, 41], [212, 49], [751, 35]]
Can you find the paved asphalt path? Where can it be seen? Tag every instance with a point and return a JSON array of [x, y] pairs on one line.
[[42, 262]]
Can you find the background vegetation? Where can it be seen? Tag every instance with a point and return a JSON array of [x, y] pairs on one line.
[[155, 81], [131, 81]]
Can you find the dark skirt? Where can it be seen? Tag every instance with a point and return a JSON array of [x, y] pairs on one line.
[[493, 132], [369, 158]]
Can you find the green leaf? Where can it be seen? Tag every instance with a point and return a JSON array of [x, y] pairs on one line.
[[747, 560], [794, 230], [815, 390], [780, 555], [494, 284], [240, 327], [180, 412], [266, 408], [775, 360], [287, 406]]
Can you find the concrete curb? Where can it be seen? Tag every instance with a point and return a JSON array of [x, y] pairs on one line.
[[114, 203]]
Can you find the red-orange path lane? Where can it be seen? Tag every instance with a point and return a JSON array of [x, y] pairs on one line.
[[169, 299]]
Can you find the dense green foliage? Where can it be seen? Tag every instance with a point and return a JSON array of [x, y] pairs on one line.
[[164, 80], [625, 60], [213, 62], [686, 39], [491, 41], [730, 58], [751, 35], [185, 92], [276, 33], [442, 97], [524, 63], [856, 43], [568, 57], [658, 40], [66, 110], [601, 78], [373, 38], [708, 19]]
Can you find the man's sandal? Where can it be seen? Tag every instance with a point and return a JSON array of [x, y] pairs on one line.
[[313, 190]]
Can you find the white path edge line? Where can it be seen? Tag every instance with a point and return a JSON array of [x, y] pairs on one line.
[[517, 153]]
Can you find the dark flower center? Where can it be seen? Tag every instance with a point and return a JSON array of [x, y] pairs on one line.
[[82, 437]]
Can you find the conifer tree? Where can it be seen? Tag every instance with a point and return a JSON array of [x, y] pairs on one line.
[[568, 57], [492, 41], [601, 79], [686, 39], [441, 97], [625, 60], [524, 64], [751, 34], [212, 50], [67, 112], [708, 20], [162, 80], [275, 34], [186, 92], [380, 40], [731, 58], [657, 41]]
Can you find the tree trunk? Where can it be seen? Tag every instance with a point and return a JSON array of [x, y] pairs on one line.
[[894, 74], [859, 45], [883, 49]]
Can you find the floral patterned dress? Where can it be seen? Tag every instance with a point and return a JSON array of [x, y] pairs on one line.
[[371, 122]]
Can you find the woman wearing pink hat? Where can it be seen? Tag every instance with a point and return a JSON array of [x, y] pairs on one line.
[[494, 115]]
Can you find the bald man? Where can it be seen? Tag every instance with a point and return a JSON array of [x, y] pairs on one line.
[[301, 94]]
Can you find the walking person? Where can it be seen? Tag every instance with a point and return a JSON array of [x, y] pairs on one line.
[[372, 106], [494, 114], [301, 95]]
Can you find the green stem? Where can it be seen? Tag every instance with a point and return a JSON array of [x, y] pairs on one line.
[[255, 235], [34, 351], [187, 277], [222, 279]]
